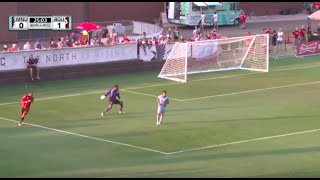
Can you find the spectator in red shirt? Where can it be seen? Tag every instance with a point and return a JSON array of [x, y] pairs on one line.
[[14, 47], [302, 34], [316, 5], [243, 19], [125, 39], [295, 34]]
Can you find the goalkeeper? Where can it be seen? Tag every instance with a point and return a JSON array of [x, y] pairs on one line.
[[113, 94]]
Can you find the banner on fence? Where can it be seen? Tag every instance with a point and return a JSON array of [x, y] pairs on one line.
[[308, 48], [155, 53], [69, 56]]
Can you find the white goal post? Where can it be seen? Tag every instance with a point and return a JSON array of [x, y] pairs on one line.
[[247, 52]]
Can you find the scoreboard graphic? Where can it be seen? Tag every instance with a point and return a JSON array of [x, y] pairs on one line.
[[40, 23]]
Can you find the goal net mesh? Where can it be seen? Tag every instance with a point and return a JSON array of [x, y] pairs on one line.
[[248, 52]]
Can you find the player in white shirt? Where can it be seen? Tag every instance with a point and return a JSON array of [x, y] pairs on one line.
[[162, 102], [203, 20], [215, 20], [279, 38]]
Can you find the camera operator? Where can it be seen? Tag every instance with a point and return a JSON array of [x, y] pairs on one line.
[[32, 66]]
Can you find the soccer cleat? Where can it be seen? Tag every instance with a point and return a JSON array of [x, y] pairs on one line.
[[121, 112], [19, 124], [102, 114]]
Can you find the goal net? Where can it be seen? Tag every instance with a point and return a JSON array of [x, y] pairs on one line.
[[247, 52]]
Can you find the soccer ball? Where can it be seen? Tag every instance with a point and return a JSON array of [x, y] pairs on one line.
[[102, 97]]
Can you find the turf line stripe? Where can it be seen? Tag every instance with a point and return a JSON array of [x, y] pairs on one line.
[[244, 141], [85, 136]]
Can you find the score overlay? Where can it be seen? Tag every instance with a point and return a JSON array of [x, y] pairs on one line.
[[40, 23]]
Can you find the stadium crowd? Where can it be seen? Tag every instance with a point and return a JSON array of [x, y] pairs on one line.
[[277, 37]]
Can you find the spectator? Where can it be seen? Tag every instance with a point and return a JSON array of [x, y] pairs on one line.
[[58, 43], [5, 48], [195, 31], [105, 32], [280, 39], [125, 39], [302, 34], [52, 45], [76, 44], [176, 34], [14, 47], [215, 20], [243, 19], [295, 34], [27, 46], [154, 41], [163, 41], [203, 20], [274, 40], [38, 46], [32, 67], [62, 43], [214, 34], [182, 39]]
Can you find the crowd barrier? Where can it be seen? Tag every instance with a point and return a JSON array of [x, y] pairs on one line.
[[69, 56]]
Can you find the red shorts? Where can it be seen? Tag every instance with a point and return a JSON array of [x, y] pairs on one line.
[[25, 109]]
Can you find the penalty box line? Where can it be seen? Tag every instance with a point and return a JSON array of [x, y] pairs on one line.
[[85, 136], [253, 90], [243, 141]]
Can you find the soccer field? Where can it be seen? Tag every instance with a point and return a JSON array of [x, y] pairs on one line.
[[223, 124]]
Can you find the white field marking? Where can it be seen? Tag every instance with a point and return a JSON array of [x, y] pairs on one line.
[[156, 85], [244, 141], [56, 97], [151, 95], [84, 136], [289, 69], [222, 77], [204, 79], [253, 90]]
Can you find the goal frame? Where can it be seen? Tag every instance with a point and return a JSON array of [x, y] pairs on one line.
[[243, 38]]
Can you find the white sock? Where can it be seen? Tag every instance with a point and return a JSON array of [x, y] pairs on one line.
[[157, 118], [160, 118]]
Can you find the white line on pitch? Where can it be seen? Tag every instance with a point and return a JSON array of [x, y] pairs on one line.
[[56, 97], [253, 90], [89, 137], [151, 95], [294, 68], [156, 85], [244, 141]]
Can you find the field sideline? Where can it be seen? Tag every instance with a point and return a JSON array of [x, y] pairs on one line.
[[224, 124]]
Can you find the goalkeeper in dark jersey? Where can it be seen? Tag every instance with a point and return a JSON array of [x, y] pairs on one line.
[[113, 94]]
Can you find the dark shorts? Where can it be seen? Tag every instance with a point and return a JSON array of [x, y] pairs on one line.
[[115, 102]]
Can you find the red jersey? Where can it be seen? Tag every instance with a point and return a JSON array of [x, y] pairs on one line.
[[302, 32], [26, 101], [243, 18], [126, 39], [295, 34]]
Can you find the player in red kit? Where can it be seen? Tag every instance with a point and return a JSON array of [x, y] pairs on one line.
[[26, 102]]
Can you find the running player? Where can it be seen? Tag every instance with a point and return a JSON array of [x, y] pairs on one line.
[[26, 101], [162, 102], [113, 94]]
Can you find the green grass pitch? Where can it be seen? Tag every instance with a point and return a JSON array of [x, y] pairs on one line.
[[225, 124]]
